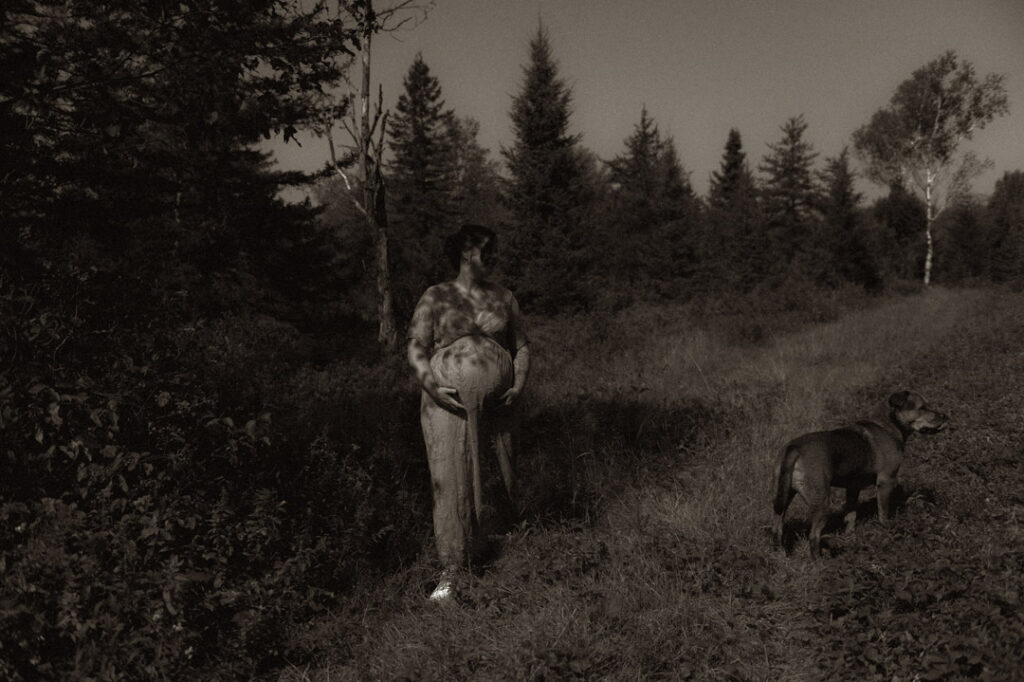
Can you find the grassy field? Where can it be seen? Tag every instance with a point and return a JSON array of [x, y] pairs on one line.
[[644, 550]]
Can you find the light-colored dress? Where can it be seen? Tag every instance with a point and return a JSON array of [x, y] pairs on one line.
[[472, 342]]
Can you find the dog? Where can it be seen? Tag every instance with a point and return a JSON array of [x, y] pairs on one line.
[[866, 453]]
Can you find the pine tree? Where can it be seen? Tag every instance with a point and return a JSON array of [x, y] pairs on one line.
[[734, 250], [422, 170], [1006, 216], [902, 218], [733, 184], [545, 188], [788, 190], [651, 197], [144, 118], [839, 197], [789, 198], [421, 192], [476, 191], [845, 238], [649, 180]]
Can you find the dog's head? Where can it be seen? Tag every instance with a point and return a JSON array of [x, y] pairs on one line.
[[910, 411]]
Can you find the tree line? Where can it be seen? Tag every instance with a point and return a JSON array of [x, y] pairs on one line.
[[581, 231]]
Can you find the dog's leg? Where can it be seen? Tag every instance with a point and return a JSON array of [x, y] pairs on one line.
[[885, 487], [818, 518], [780, 518], [850, 510]]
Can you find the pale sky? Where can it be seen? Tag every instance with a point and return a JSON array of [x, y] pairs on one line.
[[702, 68]]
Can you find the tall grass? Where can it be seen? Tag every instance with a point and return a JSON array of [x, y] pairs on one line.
[[647, 465]]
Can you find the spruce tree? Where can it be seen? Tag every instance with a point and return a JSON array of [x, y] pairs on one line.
[[734, 249], [651, 197], [839, 197], [545, 187], [648, 178], [476, 191], [901, 219], [733, 184], [421, 192], [789, 199], [846, 239], [788, 190], [422, 169], [1006, 216], [144, 118]]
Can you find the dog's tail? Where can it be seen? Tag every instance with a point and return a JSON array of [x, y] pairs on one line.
[[784, 478]]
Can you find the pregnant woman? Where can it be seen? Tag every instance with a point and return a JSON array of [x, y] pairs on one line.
[[471, 356]]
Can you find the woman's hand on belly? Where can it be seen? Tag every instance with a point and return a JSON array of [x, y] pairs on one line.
[[445, 397]]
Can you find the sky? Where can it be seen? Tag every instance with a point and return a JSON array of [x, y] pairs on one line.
[[701, 68]]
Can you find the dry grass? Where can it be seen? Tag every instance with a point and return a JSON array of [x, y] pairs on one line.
[[658, 567]]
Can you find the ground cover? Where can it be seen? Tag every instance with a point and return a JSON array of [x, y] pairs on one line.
[[644, 552]]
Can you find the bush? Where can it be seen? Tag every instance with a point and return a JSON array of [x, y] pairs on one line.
[[175, 493]]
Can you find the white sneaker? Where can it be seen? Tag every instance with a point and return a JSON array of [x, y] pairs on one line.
[[445, 586]]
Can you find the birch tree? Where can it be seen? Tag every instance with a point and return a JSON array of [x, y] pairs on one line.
[[914, 140]]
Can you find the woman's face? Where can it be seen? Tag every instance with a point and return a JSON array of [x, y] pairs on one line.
[[481, 256]]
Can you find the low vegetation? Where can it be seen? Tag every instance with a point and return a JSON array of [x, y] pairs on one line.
[[186, 499], [644, 551]]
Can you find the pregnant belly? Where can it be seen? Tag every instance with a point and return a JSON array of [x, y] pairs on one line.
[[476, 366]]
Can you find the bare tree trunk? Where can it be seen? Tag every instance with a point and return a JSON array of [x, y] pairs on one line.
[[373, 193], [929, 219]]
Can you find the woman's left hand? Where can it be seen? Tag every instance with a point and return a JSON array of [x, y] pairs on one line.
[[509, 396]]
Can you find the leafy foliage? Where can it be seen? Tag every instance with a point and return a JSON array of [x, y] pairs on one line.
[[914, 140]]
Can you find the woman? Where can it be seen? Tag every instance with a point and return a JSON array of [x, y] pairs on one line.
[[471, 357]]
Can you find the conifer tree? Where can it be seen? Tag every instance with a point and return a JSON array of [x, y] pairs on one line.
[[901, 219], [135, 124], [421, 180], [839, 197], [422, 169], [476, 191], [789, 198], [545, 188], [733, 183], [648, 178], [1006, 215], [733, 252], [788, 190], [651, 195], [846, 240]]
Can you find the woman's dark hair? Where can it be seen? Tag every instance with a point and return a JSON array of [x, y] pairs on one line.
[[468, 236]]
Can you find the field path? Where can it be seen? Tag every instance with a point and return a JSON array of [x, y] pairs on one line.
[[663, 568]]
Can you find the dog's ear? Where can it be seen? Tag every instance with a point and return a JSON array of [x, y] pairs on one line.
[[898, 400]]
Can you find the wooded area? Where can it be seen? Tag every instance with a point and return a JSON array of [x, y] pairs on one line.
[[196, 448]]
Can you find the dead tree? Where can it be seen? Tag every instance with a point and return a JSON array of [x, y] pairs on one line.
[[367, 130]]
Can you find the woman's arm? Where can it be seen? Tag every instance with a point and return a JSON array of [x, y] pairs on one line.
[[521, 361]]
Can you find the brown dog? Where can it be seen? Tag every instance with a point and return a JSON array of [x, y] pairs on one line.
[[854, 457]]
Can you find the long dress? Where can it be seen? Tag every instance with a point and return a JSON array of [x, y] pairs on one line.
[[472, 344]]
